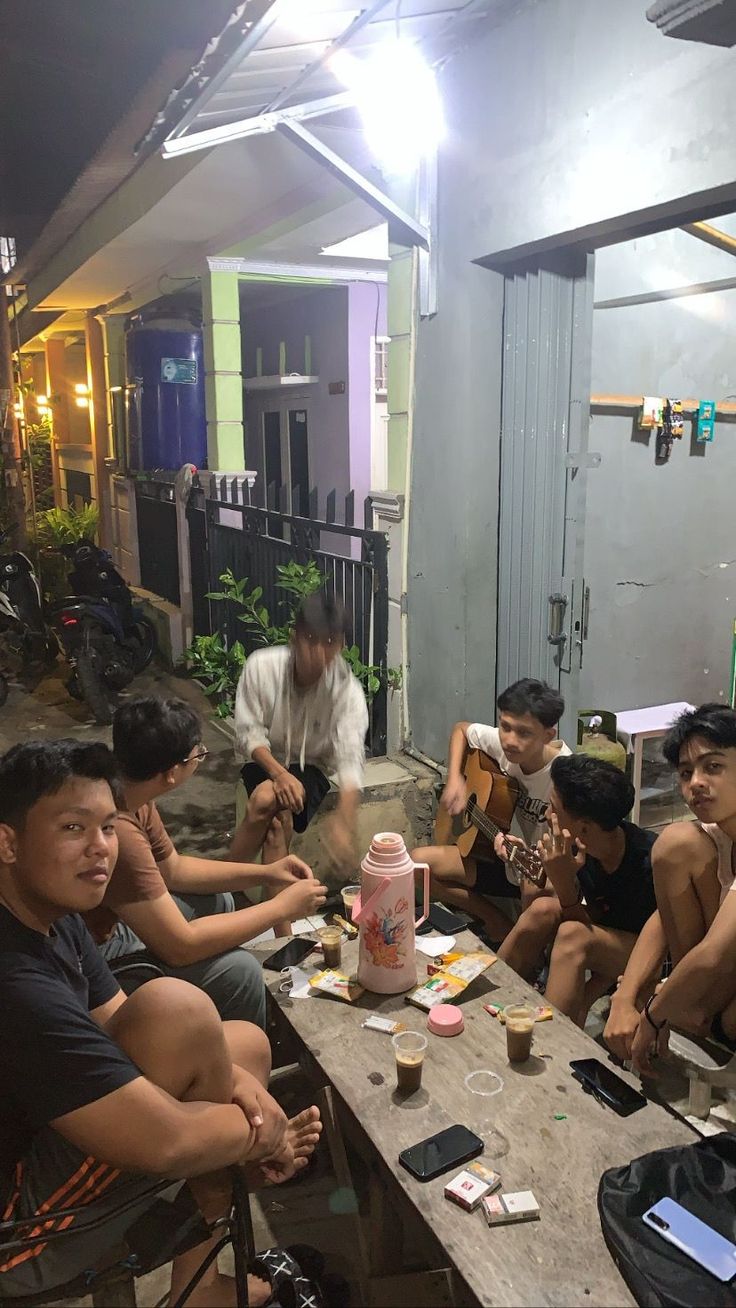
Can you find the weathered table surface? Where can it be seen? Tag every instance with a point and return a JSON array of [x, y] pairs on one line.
[[561, 1259]]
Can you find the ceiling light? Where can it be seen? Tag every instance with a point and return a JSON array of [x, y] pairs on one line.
[[397, 95], [80, 388]]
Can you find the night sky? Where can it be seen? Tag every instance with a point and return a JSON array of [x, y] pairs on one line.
[[68, 71]]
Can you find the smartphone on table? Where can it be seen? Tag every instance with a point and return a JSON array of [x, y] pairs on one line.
[[604, 1083], [700, 1242], [290, 955], [439, 1153]]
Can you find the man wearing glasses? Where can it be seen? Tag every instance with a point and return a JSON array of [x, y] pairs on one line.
[[177, 910]]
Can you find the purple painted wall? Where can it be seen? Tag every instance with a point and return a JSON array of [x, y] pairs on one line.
[[340, 320]]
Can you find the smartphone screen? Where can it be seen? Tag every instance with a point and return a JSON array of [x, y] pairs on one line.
[[290, 955], [616, 1092], [443, 920], [440, 1152]]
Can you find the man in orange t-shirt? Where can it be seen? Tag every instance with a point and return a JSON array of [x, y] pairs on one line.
[[177, 910]]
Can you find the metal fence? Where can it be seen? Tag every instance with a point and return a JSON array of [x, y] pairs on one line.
[[228, 530], [157, 536]]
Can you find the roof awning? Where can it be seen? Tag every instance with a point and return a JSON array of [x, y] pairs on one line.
[[271, 69]]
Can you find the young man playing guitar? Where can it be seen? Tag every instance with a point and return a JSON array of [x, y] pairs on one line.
[[523, 746]]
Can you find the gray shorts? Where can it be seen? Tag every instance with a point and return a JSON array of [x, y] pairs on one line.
[[55, 1175]]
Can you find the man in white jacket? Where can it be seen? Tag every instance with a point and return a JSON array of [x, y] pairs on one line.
[[300, 715]]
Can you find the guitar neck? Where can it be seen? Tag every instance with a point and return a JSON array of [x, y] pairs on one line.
[[484, 824]]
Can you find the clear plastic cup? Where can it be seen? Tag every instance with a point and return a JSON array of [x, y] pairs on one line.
[[519, 1032], [349, 896], [330, 938], [409, 1048]]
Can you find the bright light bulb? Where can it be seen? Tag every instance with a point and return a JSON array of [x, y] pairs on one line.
[[81, 388], [397, 95], [82, 402], [41, 400]]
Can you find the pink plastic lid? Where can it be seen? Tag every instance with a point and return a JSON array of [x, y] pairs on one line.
[[445, 1020]]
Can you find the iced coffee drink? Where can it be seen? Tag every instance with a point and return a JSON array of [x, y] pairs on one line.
[[409, 1048], [519, 1032]]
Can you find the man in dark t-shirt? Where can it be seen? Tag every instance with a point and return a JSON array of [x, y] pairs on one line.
[[103, 1097], [600, 868]]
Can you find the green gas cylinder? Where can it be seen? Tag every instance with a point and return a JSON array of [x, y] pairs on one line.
[[598, 745]]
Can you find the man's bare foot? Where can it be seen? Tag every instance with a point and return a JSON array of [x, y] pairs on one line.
[[219, 1292], [302, 1137]]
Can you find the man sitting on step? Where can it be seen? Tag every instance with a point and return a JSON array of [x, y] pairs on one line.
[[695, 923], [301, 714]]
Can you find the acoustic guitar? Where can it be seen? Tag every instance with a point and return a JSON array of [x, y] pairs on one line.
[[492, 799]]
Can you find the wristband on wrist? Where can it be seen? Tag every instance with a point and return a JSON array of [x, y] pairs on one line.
[[567, 907], [656, 1026]]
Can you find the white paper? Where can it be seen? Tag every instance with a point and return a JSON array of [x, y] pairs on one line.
[[305, 925], [432, 946], [300, 977]]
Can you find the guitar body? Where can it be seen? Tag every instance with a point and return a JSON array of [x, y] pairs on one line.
[[493, 792]]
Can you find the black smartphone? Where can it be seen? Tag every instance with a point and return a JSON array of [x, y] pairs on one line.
[[440, 1152], [290, 955], [603, 1082], [442, 919]]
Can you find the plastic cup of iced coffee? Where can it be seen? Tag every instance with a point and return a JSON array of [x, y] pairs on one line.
[[349, 896], [409, 1048], [519, 1032], [330, 938]]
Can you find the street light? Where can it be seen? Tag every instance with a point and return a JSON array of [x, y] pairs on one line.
[[398, 99]]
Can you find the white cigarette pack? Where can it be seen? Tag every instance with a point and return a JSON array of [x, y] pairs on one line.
[[518, 1207], [467, 1190]]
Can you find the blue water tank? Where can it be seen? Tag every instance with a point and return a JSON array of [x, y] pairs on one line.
[[165, 407]]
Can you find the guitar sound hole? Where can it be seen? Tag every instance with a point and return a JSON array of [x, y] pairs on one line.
[[472, 800]]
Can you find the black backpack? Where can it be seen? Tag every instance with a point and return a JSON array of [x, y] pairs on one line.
[[701, 1177]]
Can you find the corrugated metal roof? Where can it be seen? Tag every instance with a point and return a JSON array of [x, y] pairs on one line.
[[275, 53]]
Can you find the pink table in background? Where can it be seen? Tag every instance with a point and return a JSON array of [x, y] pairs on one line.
[[645, 724]]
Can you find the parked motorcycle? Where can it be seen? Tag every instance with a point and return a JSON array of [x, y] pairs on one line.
[[27, 644], [106, 639]]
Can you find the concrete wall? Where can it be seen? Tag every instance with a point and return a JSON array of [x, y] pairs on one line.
[[660, 557], [575, 112], [567, 116], [366, 319]]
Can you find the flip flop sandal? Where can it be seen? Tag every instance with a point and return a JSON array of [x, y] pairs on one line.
[[289, 1288]]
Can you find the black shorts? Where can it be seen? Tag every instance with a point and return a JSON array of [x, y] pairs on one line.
[[491, 879], [314, 781]]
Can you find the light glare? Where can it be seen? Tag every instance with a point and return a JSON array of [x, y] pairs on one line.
[[398, 99]]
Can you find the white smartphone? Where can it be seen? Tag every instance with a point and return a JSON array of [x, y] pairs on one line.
[[687, 1233]]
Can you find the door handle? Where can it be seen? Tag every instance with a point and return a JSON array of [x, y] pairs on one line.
[[586, 612], [557, 606]]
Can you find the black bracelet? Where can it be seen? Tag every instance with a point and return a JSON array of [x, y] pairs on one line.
[[566, 908], [657, 1027]]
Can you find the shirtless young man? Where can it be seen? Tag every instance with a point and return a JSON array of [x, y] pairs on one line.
[[693, 865], [524, 746]]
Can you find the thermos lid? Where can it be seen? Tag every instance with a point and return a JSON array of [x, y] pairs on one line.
[[445, 1020]]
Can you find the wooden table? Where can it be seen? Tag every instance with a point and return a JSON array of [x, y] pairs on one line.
[[559, 1260]]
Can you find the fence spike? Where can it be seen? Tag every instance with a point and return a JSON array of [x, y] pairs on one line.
[[350, 509], [296, 501], [283, 499], [271, 495], [330, 514], [314, 503]]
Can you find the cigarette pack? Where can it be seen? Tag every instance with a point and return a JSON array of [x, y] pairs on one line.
[[338, 984], [469, 1187], [444, 986], [521, 1206], [386, 1024]]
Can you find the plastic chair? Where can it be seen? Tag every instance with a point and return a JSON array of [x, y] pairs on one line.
[[113, 1286]]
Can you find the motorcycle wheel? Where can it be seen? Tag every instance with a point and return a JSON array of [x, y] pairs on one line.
[[93, 689], [3, 690], [145, 634]]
